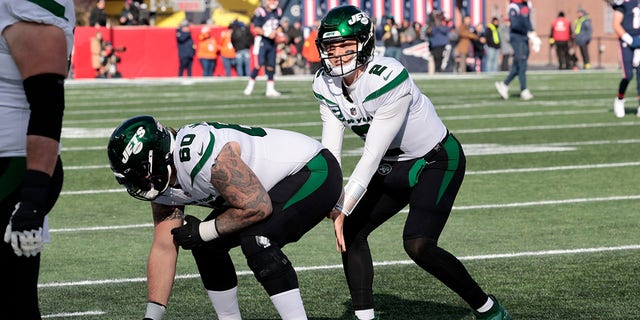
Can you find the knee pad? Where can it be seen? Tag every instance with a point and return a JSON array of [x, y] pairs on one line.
[[270, 266], [266, 260]]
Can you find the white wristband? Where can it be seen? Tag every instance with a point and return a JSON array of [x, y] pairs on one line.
[[353, 192], [155, 311], [209, 230]]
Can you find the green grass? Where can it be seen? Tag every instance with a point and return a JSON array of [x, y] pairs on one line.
[[545, 178]]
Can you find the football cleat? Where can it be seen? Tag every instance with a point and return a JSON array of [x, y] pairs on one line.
[[272, 93], [497, 312], [526, 95], [503, 90], [249, 88], [618, 108]]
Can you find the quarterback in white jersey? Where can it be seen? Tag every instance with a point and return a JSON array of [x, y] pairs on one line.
[[409, 158], [267, 188], [35, 44]]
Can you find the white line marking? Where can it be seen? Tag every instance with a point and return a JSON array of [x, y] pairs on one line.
[[380, 263], [74, 314]]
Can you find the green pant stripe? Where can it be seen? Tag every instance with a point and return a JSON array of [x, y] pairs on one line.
[[319, 172], [55, 8], [453, 154], [11, 178]]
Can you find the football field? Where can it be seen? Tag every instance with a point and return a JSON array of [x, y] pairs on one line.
[[547, 219]]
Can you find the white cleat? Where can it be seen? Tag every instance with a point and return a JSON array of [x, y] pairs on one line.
[[249, 88], [618, 108], [526, 95], [272, 93], [503, 90]]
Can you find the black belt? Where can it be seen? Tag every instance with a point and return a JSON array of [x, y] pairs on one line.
[[397, 151], [439, 146]]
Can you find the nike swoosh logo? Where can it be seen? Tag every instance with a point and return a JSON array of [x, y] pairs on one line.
[[387, 76], [200, 152]]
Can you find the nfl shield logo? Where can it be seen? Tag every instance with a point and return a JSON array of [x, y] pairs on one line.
[[384, 169], [353, 111]]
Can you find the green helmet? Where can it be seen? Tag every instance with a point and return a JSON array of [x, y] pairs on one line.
[[140, 155], [346, 23]]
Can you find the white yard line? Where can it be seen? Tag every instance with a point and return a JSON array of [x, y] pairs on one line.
[[380, 263]]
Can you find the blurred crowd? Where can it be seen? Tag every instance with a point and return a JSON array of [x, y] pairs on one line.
[[445, 47]]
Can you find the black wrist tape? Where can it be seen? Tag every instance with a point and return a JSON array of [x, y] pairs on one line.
[[45, 94], [35, 188]]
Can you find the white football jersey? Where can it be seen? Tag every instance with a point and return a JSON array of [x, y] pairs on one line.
[[14, 109], [271, 154], [383, 82]]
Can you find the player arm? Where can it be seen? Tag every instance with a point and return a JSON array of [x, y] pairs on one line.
[[617, 25], [161, 263], [40, 52], [248, 200], [332, 132], [385, 126]]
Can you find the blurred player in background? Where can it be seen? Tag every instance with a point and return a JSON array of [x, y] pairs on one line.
[[627, 29], [521, 32], [266, 23], [36, 43]]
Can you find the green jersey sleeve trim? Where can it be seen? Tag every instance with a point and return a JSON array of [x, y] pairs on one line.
[[322, 98], [389, 86], [204, 158], [55, 8]]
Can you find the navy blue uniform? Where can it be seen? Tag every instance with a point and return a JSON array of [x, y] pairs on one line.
[[269, 21], [520, 26], [626, 7]]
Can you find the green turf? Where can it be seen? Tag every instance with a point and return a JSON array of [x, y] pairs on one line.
[[556, 173]]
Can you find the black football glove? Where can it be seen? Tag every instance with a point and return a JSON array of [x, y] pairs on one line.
[[24, 231], [188, 236]]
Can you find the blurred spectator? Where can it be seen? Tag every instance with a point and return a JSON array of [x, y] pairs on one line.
[[506, 50], [97, 48], [479, 45], [391, 39], [110, 60], [130, 14], [296, 38], [560, 36], [97, 17], [464, 43], [439, 45], [207, 51], [583, 32], [309, 49], [492, 36], [408, 35], [186, 48], [227, 52], [242, 39]]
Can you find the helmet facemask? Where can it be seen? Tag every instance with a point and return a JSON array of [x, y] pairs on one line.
[[340, 69], [140, 154]]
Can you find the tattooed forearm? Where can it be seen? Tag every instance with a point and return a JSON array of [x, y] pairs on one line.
[[242, 190]]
